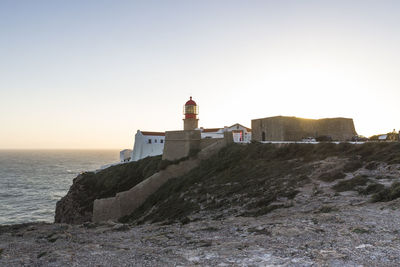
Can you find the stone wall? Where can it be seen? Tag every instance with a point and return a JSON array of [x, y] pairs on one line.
[[205, 142], [190, 124], [178, 144], [124, 203], [295, 129]]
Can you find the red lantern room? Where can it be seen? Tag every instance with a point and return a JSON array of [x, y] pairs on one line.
[[190, 110]]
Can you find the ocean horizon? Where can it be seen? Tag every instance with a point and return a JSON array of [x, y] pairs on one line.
[[33, 180]]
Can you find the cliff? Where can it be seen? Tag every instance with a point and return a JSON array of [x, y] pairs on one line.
[[240, 180], [77, 206]]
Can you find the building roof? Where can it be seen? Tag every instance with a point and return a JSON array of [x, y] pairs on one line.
[[210, 130], [298, 118], [213, 130], [153, 133], [190, 102], [247, 129]]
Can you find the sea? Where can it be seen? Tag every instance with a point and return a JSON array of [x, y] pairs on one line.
[[32, 181]]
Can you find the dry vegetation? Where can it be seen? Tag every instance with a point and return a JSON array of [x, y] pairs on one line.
[[247, 180]]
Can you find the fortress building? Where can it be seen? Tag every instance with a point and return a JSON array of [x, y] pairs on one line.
[[173, 145], [178, 144], [281, 128]]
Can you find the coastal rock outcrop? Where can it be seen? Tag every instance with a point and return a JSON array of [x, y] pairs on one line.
[[77, 206]]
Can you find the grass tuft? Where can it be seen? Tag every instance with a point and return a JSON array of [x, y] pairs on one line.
[[371, 189], [351, 185], [352, 166], [387, 194], [361, 231], [331, 176], [327, 209]]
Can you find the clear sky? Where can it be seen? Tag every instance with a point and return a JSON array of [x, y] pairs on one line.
[[88, 74]]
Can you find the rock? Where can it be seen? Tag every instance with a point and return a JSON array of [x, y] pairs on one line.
[[76, 207]]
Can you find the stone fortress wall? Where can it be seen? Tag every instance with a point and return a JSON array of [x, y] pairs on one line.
[[281, 128], [124, 203], [180, 144]]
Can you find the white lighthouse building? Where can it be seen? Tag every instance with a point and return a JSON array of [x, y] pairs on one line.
[[147, 144]]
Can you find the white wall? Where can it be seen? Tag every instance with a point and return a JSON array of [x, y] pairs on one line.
[[236, 136], [125, 155], [142, 148], [212, 135]]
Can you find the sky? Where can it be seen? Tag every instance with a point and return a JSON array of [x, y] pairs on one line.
[[89, 74]]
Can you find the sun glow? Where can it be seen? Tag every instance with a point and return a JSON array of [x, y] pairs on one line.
[[83, 81]]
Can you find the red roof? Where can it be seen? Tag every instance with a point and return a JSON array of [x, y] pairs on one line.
[[211, 130], [248, 129], [154, 133], [190, 103]]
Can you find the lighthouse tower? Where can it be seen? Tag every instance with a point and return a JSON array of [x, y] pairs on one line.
[[190, 110]]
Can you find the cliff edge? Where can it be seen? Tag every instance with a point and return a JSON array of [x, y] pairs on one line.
[[76, 206]]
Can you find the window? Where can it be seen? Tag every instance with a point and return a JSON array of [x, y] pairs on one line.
[[263, 136], [149, 141], [155, 140], [161, 141]]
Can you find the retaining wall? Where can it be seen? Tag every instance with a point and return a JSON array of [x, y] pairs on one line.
[[124, 203]]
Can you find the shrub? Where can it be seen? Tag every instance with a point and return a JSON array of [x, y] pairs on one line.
[[331, 176], [372, 165], [361, 231], [352, 166], [387, 194], [326, 209], [350, 185], [371, 189]]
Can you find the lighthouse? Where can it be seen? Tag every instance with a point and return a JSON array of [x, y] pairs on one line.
[[190, 111]]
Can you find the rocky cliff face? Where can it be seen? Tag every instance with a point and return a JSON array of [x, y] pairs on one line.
[[77, 206]]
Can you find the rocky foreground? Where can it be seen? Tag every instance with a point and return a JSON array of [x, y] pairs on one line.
[[325, 205], [319, 229]]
